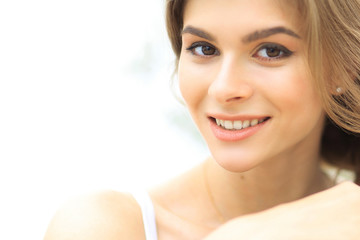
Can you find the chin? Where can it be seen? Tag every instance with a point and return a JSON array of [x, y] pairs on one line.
[[237, 164]]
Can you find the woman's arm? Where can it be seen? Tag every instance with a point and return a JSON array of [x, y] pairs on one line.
[[331, 214]]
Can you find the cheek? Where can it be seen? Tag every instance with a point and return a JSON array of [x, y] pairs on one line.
[[293, 88], [298, 101], [192, 83], [301, 93]]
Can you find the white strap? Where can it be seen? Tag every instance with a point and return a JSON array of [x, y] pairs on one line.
[[148, 214]]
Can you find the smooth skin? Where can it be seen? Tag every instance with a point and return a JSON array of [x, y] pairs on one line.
[[248, 189]]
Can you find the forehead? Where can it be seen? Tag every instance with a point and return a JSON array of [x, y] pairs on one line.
[[239, 14]]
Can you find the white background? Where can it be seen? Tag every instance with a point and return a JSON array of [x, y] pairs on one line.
[[85, 104]]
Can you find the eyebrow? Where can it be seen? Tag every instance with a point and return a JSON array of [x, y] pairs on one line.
[[197, 32], [259, 34], [264, 33]]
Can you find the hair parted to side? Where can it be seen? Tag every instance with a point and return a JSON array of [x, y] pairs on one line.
[[174, 24], [331, 30]]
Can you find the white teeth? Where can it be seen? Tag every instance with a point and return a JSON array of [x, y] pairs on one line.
[[222, 123], [237, 125], [254, 122], [246, 123], [228, 125]]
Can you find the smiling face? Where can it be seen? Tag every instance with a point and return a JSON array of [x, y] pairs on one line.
[[244, 77]]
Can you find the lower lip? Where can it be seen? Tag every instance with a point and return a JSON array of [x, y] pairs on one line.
[[234, 135]]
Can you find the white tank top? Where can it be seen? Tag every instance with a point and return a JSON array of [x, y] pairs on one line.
[[148, 213]]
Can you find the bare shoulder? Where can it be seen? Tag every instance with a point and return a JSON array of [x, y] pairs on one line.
[[104, 215]]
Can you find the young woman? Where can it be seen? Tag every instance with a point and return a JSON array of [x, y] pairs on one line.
[[273, 87]]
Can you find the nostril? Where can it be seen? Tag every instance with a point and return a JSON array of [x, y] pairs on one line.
[[233, 99]]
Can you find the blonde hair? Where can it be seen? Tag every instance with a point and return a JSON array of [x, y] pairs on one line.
[[331, 30], [332, 35]]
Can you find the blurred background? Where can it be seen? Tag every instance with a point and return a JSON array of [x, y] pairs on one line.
[[85, 105]]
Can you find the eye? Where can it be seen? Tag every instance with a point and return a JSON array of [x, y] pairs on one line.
[[270, 52], [203, 49]]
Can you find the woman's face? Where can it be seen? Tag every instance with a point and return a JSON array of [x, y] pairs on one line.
[[244, 77]]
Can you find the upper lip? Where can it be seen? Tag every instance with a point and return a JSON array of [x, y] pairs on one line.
[[238, 117]]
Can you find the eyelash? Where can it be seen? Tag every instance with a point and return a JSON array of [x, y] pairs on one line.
[[283, 51], [196, 45]]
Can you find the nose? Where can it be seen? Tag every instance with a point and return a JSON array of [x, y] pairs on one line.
[[231, 82]]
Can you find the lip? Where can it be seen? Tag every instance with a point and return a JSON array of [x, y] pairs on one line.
[[236, 135], [237, 117]]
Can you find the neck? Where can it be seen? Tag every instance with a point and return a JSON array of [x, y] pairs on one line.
[[274, 182]]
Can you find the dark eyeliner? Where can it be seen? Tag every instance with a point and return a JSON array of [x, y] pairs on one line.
[[286, 52], [201, 44]]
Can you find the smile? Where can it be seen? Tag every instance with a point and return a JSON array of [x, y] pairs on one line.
[[238, 125], [236, 129]]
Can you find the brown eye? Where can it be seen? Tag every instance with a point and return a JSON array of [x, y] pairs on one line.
[[273, 52], [269, 52], [207, 50], [203, 49]]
